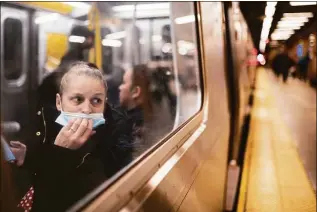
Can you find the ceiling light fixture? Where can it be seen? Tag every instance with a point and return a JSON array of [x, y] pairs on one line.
[[301, 3], [76, 39], [306, 14], [290, 24], [116, 35], [185, 19], [47, 18], [288, 27], [300, 19], [129, 8], [267, 22]]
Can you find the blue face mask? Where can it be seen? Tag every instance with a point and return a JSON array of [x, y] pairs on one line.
[[65, 117]]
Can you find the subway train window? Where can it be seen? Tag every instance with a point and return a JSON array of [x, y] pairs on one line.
[[12, 47], [113, 81]]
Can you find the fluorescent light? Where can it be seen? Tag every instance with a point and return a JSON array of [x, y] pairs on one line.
[[116, 35], [156, 38], [268, 19], [123, 8], [301, 3], [269, 11], [308, 15], [284, 31], [264, 35], [143, 14], [291, 22], [282, 23], [267, 22], [76, 39], [271, 3], [78, 4], [129, 8], [262, 46], [182, 51], [185, 44], [185, 19], [112, 43], [154, 6], [288, 27], [266, 26], [299, 19], [46, 18], [280, 37]]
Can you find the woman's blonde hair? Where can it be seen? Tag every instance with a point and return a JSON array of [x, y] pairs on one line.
[[80, 68]]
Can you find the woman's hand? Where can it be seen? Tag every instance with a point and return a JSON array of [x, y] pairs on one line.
[[75, 133], [19, 150]]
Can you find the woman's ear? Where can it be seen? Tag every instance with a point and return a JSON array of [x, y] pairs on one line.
[[58, 102], [136, 92]]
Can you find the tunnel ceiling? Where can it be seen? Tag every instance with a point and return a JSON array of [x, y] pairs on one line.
[[253, 12]]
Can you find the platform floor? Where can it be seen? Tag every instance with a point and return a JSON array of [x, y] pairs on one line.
[[280, 161]]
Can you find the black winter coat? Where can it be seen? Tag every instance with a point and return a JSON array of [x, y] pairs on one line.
[[63, 176]]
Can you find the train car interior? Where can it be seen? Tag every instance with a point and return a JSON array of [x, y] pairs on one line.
[[201, 71]]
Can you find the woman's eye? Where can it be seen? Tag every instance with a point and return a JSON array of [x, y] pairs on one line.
[[96, 101], [77, 99]]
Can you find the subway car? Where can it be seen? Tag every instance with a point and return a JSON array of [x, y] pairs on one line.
[[202, 69]]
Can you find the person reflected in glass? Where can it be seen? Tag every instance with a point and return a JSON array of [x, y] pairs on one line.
[[77, 145], [135, 98]]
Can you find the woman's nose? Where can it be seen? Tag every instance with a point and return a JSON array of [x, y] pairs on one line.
[[86, 107]]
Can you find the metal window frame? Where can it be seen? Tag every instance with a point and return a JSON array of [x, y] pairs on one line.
[[114, 193]]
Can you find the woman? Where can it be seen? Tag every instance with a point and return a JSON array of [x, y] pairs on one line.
[[75, 148]]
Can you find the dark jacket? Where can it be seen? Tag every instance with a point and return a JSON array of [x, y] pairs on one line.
[[63, 176], [76, 53], [281, 63]]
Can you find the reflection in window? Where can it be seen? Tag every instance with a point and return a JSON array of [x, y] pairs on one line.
[[12, 48], [147, 53]]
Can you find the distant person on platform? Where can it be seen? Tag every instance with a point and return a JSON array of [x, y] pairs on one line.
[[282, 63]]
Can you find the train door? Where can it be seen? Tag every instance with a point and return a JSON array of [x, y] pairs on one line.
[[15, 80], [18, 79]]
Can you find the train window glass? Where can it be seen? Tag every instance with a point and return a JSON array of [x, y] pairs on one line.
[[186, 57], [148, 54], [12, 39]]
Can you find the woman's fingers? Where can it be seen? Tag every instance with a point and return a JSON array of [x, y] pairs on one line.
[[81, 129], [64, 134], [75, 124], [69, 124], [75, 133], [87, 133]]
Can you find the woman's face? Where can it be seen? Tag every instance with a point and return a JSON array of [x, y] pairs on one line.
[[82, 94]]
